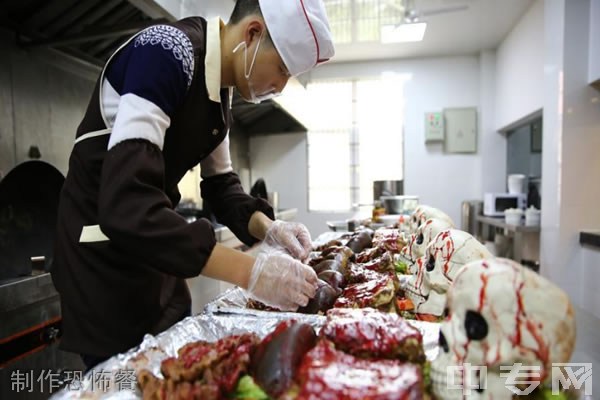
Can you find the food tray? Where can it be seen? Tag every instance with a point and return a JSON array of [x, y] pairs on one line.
[[100, 383], [233, 302]]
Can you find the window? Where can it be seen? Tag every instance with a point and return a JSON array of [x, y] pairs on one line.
[[353, 21], [379, 125], [354, 138]]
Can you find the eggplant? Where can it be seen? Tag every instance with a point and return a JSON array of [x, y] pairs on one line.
[[335, 279], [326, 265], [276, 359], [323, 300], [360, 241]]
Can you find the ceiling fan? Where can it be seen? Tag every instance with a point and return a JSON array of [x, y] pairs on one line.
[[412, 14], [411, 27]]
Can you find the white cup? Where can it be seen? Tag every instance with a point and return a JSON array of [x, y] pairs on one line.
[[512, 216], [516, 183], [532, 216]]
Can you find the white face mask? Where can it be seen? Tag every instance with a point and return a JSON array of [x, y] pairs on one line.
[[267, 94]]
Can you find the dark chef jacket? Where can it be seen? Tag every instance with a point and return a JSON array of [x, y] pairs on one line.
[[127, 280]]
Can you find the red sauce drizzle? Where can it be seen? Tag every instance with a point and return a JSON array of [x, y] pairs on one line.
[[368, 331], [327, 374]]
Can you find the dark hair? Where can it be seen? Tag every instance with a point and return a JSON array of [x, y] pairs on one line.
[[243, 8]]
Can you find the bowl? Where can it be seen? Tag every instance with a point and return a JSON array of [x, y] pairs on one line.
[[399, 204], [388, 220], [513, 216]]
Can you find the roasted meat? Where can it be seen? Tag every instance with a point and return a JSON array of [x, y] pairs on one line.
[[369, 254], [277, 357], [341, 254], [390, 239], [373, 293], [331, 243], [368, 333], [384, 263], [201, 370], [257, 305], [330, 374], [335, 279], [356, 273], [360, 240], [323, 300]]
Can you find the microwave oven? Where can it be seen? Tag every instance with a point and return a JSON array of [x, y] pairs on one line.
[[494, 204]]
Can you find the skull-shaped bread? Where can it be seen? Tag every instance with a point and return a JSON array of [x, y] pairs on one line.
[[422, 213], [418, 241], [499, 314], [433, 273]]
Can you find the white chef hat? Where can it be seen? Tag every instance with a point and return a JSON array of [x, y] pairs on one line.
[[300, 32]]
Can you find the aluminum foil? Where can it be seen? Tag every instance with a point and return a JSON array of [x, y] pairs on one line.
[[209, 327], [154, 349]]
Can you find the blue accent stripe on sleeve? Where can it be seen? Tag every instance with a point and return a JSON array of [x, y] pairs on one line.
[[157, 66]]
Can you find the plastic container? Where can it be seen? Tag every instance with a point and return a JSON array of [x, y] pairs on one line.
[[513, 216], [532, 216], [516, 184]]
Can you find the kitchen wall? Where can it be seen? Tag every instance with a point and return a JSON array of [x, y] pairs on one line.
[[570, 163], [43, 96], [40, 105], [441, 180], [519, 69], [594, 45]]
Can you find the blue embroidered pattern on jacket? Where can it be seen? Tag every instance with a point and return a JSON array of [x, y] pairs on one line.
[[170, 38]]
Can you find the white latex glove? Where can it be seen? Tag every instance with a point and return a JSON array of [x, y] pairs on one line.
[[292, 237], [280, 281]]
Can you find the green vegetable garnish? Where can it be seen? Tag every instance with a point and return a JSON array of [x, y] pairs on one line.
[[545, 393], [401, 268], [248, 389], [427, 376]]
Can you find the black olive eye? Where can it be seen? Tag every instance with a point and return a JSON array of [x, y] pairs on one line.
[[430, 264], [442, 342], [475, 325], [446, 312], [420, 239]]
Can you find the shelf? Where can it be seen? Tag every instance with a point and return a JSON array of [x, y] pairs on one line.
[[499, 223]]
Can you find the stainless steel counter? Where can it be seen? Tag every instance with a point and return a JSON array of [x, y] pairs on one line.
[[30, 328]]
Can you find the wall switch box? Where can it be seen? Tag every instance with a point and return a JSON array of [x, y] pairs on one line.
[[434, 127], [460, 130]]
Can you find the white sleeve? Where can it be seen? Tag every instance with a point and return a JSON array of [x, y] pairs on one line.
[[218, 162], [138, 118]]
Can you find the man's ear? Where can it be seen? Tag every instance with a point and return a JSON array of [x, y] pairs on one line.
[[253, 30]]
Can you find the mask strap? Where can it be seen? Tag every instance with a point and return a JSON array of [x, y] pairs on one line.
[[247, 71], [247, 74]]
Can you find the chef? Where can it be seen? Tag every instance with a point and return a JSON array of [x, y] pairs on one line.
[[160, 107]]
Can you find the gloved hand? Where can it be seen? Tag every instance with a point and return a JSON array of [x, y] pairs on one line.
[[292, 237], [280, 281]]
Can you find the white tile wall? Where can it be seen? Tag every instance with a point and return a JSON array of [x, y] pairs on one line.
[[520, 63], [571, 149]]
